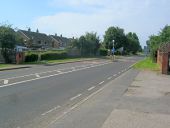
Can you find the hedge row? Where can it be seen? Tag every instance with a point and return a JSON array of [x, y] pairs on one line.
[[54, 56], [103, 52], [32, 57]]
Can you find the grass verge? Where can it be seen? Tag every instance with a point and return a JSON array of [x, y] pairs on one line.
[[6, 65], [147, 64]]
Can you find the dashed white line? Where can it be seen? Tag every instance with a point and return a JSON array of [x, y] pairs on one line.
[[101, 82], [91, 88], [109, 78], [78, 104], [49, 76], [55, 108], [6, 81], [75, 97], [115, 75], [37, 75]]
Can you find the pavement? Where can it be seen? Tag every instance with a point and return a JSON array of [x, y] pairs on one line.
[[136, 99], [35, 97]]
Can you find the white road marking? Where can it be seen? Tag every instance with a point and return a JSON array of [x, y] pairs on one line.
[[6, 81], [55, 108], [59, 71], [115, 75], [37, 75], [78, 104], [101, 82], [91, 88], [109, 78], [50, 75], [75, 97]]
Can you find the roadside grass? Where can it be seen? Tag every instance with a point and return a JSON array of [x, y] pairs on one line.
[[6, 65], [147, 64], [67, 60], [60, 60]]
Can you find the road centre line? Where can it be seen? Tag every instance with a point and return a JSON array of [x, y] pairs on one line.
[[6, 81], [49, 76], [91, 88], [109, 78], [77, 105], [115, 75], [101, 82], [55, 108], [37, 75], [75, 97]]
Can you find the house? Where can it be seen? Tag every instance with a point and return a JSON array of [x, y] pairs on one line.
[[35, 40], [163, 58], [62, 42]]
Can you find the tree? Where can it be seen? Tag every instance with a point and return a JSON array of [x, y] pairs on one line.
[[8, 39], [116, 34], [133, 44], [88, 44], [155, 41]]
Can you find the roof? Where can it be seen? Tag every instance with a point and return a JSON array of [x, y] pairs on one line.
[[36, 36], [61, 39], [165, 47]]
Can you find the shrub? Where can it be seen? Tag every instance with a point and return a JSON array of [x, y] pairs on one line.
[[53, 55], [103, 52], [32, 57]]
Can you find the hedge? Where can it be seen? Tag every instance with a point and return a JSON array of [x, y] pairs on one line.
[[32, 57], [103, 52], [53, 55]]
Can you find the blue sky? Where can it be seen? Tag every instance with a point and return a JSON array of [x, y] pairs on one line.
[[75, 17]]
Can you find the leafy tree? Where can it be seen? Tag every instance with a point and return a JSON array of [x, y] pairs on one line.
[[88, 44], [8, 40], [133, 43], [116, 34], [155, 41]]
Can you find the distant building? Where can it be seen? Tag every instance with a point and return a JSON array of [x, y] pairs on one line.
[[62, 42], [36, 40]]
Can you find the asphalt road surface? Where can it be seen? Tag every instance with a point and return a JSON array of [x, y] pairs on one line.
[[33, 97]]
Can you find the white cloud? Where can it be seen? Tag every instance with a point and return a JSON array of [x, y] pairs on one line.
[[98, 15]]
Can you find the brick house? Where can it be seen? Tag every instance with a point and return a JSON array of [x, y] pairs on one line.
[[163, 58]]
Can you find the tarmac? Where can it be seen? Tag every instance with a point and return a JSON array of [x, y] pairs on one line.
[[145, 104]]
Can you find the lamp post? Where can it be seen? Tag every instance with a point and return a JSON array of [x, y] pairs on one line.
[[113, 49]]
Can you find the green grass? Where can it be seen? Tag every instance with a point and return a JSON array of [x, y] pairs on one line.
[[66, 60], [147, 64], [6, 65]]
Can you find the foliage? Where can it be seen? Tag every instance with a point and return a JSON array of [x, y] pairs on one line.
[[133, 43], [129, 42], [147, 64], [53, 55], [155, 41], [88, 44], [31, 57], [103, 52], [8, 40]]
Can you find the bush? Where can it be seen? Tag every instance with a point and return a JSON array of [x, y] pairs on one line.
[[54, 55], [32, 57], [103, 52]]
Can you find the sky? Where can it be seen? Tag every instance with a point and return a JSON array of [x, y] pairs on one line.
[[73, 18]]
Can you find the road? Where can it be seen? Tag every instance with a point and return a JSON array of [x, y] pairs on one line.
[[33, 97]]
